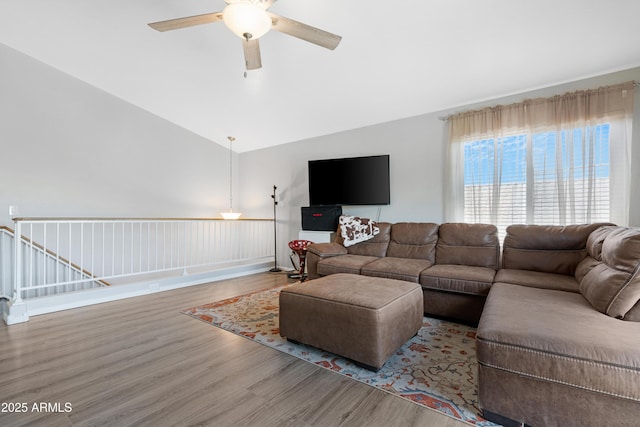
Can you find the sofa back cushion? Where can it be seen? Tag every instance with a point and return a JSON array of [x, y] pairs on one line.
[[373, 247], [416, 240], [612, 285], [475, 245], [546, 248]]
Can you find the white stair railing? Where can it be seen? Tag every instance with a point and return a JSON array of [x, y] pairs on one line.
[[46, 267], [57, 255]]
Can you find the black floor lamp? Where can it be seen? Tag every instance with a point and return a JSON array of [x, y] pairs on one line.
[[275, 268]]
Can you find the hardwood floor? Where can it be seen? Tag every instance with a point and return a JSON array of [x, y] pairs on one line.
[[140, 362]]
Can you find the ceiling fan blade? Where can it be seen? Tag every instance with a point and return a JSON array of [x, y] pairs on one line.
[[252, 54], [189, 21], [305, 32]]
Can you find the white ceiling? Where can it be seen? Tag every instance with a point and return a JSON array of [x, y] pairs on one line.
[[397, 58]]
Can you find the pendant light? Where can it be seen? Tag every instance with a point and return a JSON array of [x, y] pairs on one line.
[[231, 214]]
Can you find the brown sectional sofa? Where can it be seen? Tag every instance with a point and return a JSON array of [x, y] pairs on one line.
[[454, 263], [558, 340]]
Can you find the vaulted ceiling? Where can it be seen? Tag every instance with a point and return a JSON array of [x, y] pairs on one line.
[[397, 58]]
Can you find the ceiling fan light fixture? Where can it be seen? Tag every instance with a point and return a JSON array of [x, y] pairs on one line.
[[246, 20]]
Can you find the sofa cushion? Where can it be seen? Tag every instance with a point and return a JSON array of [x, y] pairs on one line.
[[468, 244], [537, 279], [344, 264], [376, 247], [413, 240], [557, 337], [407, 269], [458, 278], [613, 285], [546, 248]]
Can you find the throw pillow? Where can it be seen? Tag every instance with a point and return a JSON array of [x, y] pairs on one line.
[[354, 229]]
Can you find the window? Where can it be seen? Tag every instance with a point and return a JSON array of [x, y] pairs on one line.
[[546, 178], [560, 160]]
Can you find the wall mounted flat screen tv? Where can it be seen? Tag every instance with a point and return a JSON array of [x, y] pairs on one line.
[[349, 181]]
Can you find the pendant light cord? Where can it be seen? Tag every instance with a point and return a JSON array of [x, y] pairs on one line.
[[231, 139]]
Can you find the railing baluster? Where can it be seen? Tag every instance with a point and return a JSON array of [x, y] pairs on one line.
[[81, 246], [30, 272], [57, 252], [69, 246], [156, 245], [122, 238], [184, 246], [103, 248], [17, 270], [44, 247], [93, 248], [208, 257], [164, 244], [132, 261], [113, 249], [148, 245]]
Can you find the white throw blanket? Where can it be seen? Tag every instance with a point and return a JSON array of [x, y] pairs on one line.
[[355, 230]]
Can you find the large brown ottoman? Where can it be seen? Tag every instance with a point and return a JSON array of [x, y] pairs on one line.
[[362, 318]]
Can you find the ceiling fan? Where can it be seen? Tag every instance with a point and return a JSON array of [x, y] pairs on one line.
[[250, 20]]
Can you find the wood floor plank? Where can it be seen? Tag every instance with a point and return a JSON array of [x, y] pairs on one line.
[[139, 361]]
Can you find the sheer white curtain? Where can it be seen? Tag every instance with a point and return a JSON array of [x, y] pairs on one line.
[[558, 160]]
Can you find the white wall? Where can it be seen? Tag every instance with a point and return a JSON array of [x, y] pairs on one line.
[[417, 148], [69, 149]]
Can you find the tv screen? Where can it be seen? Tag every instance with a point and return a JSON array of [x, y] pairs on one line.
[[349, 181]]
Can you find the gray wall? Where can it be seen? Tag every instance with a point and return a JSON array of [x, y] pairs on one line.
[[69, 149], [417, 148]]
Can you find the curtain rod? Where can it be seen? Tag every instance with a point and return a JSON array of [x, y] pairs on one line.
[[446, 118]]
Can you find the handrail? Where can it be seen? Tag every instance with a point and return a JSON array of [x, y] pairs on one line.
[[60, 219]]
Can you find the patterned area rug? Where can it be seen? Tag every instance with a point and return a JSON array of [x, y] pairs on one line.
[[437, 368]]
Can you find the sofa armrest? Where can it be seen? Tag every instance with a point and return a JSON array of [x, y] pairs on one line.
[[325, 250], [319, 251]]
